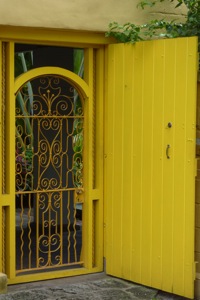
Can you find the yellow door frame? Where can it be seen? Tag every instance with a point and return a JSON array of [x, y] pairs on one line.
[[93, 44]]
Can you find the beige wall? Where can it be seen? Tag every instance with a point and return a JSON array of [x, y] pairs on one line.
[[92, 15]]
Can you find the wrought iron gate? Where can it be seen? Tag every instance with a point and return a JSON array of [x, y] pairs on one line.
[[49, 174], [51, 171]]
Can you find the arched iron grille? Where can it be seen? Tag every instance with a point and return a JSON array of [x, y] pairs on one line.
[[49, 170]]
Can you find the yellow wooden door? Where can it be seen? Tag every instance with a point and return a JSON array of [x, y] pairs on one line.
[[150, 126]]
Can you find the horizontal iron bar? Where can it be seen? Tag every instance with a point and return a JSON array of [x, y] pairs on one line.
[[48, 117], [50, 267], [45, 191]]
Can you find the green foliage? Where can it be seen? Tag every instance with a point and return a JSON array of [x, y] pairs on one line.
[[19, 66], [132, 33], [79, 62], [23, 129], [150, 3], [78, 123]]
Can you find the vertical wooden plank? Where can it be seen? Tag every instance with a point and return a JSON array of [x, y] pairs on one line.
[[157, 163], [118, 119], [108, 167], [146, 166], [127, 153], [190, 170], [183, 169], [137, 142], [180, 69], [168, 174]]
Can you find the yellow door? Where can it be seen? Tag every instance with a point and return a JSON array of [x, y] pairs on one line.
[[150, 111]]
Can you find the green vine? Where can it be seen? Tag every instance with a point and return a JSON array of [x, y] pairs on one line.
[[132, 33]]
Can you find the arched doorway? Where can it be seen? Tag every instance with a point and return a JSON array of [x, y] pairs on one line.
[[50, 169]]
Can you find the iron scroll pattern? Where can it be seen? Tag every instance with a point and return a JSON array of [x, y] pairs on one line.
[[49, 167], [49, 135]]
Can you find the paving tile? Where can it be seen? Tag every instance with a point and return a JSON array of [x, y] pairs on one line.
[[91, 287], [166, 296], [110, 283], [115, 294], [141, 292]]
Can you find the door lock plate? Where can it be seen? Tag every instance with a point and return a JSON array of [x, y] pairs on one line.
[[79, 195]]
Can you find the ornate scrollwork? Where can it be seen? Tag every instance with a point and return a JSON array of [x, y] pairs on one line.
[[54, 97], [49, 249], [49, 162], [49, 241], [50, 124]]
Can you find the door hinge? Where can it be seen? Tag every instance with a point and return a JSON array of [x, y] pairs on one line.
[[79, 195], [196, 167], [195, 274]]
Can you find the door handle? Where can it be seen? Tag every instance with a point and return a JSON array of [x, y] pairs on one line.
[[167, 151]]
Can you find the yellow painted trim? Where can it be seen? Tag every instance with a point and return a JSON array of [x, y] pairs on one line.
[[1, 167], [10, 151], [75, 80], [51, 37], [5, 200], [96, 194], [98, 159], [1, 127], [10, 119], [105, 152], [88, 159], [52, 275]]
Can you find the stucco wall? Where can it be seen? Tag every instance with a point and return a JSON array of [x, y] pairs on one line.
[[92, 15]]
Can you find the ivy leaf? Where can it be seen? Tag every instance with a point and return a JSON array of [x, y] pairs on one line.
[[131, 33]]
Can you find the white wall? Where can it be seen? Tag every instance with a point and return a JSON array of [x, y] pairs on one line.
[[92, 15]]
